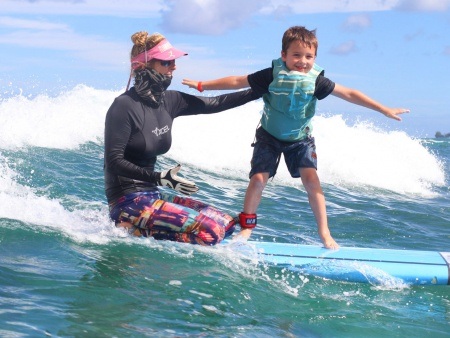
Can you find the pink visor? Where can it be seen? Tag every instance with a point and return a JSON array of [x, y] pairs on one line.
[[162, 51]]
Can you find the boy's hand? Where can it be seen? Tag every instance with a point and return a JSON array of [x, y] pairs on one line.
[[190, 83], [394, 112]]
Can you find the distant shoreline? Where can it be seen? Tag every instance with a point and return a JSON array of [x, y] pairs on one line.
[[439, 135]]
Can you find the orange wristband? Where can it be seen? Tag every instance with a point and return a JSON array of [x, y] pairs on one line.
[[199, 86]]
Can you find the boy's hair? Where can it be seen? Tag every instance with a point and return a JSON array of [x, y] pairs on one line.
[[299, 33]]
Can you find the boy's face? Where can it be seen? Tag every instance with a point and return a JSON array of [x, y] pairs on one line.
[[299, 57]]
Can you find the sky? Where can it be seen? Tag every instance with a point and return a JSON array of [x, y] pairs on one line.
[[395, 51]]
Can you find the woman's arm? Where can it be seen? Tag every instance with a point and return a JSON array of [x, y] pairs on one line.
[[193, 105]]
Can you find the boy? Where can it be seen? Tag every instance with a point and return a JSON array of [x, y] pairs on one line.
[[290, 89]]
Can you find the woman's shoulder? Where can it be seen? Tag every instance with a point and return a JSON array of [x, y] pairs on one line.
[[173, 94], [125, 102], [129, 95]]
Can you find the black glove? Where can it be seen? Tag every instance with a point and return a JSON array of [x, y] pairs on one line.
[[170, 179]]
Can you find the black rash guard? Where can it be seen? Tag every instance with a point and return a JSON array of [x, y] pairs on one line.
[[135, 134]]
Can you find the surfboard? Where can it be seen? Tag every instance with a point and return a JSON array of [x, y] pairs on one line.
[[366, 265]]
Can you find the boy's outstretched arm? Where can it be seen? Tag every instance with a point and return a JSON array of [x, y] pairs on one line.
[[230, 82], [361, 99]]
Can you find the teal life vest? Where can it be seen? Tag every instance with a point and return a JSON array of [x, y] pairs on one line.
[[290, 104]]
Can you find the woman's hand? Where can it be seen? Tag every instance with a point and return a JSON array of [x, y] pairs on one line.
[[169, 178]]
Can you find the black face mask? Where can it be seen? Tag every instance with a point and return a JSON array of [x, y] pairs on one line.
[[150, 86]]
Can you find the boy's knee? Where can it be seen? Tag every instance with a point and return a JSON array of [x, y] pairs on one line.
[[309, 174], [259, 180]]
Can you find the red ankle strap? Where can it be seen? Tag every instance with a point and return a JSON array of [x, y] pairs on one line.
[[247, 221]]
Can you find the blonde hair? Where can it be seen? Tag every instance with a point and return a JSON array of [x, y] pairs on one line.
[[142, 42]]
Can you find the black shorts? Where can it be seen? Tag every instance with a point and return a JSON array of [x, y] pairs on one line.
[[268, 150]]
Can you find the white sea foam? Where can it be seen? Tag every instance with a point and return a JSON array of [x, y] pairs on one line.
[[348, 155], [64, 122], [22, 203]]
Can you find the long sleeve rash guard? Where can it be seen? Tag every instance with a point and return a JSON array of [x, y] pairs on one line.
[[135, 134]]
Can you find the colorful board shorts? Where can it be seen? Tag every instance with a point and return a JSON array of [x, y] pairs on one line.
[[172, 218], [268, 150]]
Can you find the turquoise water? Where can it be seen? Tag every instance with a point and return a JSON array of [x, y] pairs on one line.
[[65, 271]]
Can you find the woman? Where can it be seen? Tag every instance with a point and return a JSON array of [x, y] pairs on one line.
[[138, 128]]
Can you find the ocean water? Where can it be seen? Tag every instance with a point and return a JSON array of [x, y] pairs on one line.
[[66, 271]]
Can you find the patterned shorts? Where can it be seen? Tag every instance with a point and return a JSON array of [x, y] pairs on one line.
[[172, 218]]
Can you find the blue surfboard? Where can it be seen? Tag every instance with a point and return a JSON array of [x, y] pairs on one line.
[[351, 264]]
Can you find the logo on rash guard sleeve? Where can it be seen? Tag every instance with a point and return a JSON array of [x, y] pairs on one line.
[[161, 131]]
